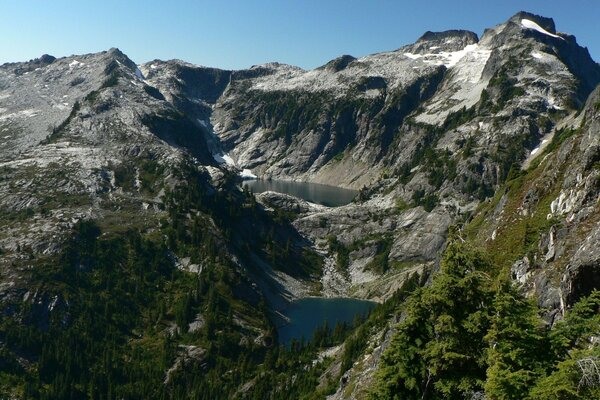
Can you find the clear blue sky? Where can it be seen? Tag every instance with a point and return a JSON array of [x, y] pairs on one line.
[[239, 33]]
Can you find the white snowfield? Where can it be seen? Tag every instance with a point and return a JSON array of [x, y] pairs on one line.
[[446, 58], [529, 24], [224, 158], [247, 174], [462, 87], [399, 69]]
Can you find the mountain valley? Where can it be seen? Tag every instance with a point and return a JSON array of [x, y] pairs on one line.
[[135, 264]]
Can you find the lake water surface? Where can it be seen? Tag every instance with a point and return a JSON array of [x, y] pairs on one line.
[[306, 315], [326, 195]]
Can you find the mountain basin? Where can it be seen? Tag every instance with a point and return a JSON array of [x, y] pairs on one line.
[[330, 196], [305, 315]]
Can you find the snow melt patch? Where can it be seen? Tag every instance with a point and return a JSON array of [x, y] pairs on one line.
[[537, 55], [413, 56], [455, 56], [224, 159], [529, 24], [447, 58], [464, 85], [75, 63], [552, 103], [538, 148], [247, 174]]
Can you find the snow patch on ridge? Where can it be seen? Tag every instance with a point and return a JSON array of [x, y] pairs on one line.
[[75, 63], [392, 66], [447, 58], [463, 86], [538, 148], [413, 56], [529, 24], [537, 55]]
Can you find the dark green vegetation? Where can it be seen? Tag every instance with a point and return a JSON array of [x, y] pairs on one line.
[[121, 318], [126, 324], [471, 332], [379, 264], [111, 314], [129, 310], [467, 333]]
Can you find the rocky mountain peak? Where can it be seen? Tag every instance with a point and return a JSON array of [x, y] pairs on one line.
[[544, 22], [527, 33], [46, 59], [451, 40], [114, 55], [525, 25], [32, 65], [339, 63]]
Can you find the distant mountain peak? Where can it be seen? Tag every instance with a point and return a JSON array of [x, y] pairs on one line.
[[448, 41], [339, 63], [544, 22], [449, 34], [118, 55]]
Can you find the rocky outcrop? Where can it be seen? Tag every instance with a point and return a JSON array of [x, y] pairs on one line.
[[556, 201]]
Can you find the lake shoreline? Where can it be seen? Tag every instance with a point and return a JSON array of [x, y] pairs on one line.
[[316, 193], [303, 316]]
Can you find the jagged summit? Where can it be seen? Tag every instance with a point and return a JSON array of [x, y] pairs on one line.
[[449, 35], [527, 25], [544, 22], [338, 64], [451, 40], [116, 55]]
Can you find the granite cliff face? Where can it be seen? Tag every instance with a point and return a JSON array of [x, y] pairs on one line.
[[341, 123]]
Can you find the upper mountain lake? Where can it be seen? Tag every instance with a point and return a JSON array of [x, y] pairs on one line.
[[306, 315], [330, 196]]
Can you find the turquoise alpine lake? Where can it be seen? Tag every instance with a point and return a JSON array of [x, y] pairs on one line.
[[330, 196], [306, 315]]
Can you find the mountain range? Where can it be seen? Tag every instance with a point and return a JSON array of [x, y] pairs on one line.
[[134, 265]]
